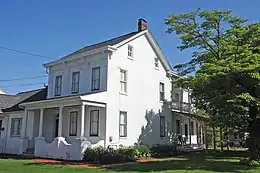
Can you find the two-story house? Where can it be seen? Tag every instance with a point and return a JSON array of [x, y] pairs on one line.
[[114, 93]]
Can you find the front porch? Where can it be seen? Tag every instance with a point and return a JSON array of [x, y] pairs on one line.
[[64, 128]]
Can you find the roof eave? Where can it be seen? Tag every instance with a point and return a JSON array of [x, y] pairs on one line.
[[80, 55]]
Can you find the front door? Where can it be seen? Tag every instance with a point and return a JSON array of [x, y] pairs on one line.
[[186, 130], [56, 126]]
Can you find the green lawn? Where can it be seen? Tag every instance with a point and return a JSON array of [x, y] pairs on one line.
[[193, 163]]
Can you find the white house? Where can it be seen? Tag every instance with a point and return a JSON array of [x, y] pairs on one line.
[[115, 93]]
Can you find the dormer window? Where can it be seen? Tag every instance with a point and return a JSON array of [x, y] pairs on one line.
[[156, 62], [130, 51]]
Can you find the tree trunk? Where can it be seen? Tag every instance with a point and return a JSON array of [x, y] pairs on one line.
[[253, 129], [214, 138], [221, 138]]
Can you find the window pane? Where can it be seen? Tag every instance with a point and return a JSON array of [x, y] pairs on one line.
[[162, 126], [75, 82], [177, 97], [161, 91], [94, 122], [73, 123], [16, 126], [122, 124], [58, 84], [95, 85]]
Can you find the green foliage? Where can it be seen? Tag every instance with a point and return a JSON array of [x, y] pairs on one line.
[[248, 162], [225, 59], [110, 155]]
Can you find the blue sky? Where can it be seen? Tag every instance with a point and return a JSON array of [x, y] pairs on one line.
[[56, 28]]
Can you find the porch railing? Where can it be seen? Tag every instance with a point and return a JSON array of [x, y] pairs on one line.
[[183, 107]]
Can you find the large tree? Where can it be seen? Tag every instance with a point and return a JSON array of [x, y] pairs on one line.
[[224, 68]]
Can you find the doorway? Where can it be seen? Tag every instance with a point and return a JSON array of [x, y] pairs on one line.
[[56, 130]]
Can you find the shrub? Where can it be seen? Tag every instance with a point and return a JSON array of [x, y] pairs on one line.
[[248, 162], [110, 155], [142, 151], [164, 150]]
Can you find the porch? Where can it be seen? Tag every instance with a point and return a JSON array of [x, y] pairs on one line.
[[64, 128]]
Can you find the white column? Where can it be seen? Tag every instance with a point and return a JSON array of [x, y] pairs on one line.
[[60, 121], [24, 124], [82, 121], [41, 122]]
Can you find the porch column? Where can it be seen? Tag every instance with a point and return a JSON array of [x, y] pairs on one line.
[[82, 121], [201, 133], [60, 121], [24, 123], [41, 122]]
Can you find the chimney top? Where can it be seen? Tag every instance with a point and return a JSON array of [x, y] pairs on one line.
[[142, 24]]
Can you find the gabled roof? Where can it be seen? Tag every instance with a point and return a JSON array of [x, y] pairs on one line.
[[29, 96], [7, 101]]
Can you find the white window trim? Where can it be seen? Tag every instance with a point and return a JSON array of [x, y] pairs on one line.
[[130, 57], [54, 88], [156, 58], [21, 119], [126, 82], [94, 90], [71, 86], [98, 130], [126, 124], [160, 91], [78, 121]]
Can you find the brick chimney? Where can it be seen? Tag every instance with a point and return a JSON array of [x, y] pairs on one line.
[[142, 25]]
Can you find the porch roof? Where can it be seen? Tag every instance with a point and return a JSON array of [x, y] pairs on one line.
[[195, 116], [61, 101]]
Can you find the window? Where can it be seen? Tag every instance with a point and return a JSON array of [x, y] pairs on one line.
[[73, 123], [156, 62], [16, 126], [75, 83], [123, 80], [58, 84], [178, 127], [192, 128], [95, 84], [94, 122], [123, 124], [177, 97], [161, 91], [130, 51], [162, 126]]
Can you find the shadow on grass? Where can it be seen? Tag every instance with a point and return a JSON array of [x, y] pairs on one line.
[[217, 162]]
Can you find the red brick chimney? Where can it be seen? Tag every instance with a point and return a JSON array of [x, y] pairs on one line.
[[142, 25]]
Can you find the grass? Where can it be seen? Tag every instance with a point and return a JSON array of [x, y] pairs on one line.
[[190, 163]]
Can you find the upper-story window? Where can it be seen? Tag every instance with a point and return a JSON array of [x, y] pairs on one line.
[[95, 84], [156, 62], [123, 80], [130, 51], [161, 91], [58, 85], [75, 82]]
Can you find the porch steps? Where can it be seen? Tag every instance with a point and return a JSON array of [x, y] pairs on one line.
[[29, 153]]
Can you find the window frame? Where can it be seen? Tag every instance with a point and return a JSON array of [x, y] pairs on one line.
[[130, 51], [162, 125], [91, 121], [12, 131], [162, 93], [58, 85], [74, 89], [123, 82], [175, 96], [70, 123], [156, 62], [124, 125], [94, 80]]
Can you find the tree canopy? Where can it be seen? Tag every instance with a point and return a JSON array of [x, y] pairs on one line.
[[226, 65]]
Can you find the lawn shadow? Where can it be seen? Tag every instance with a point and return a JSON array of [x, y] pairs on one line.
[[187, 162]]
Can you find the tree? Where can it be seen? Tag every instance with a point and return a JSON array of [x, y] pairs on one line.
[[224, 68]]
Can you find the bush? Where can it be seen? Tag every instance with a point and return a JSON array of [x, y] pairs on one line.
[[248, 162], [164, 150], [110, 155]]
